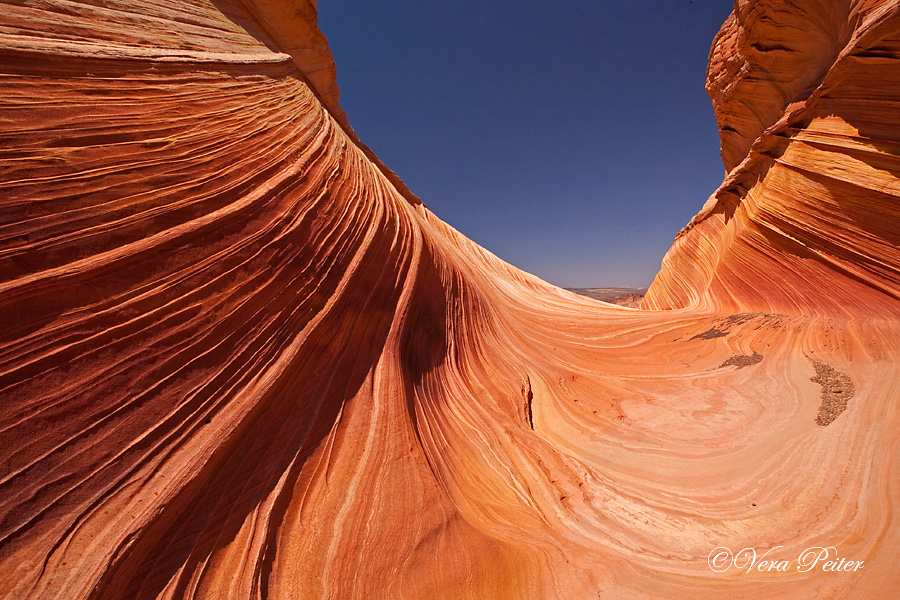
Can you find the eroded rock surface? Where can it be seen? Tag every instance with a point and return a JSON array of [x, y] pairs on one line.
[[238, 359], [806, 219]]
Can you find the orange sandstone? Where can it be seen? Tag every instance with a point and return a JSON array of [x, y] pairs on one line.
[[238, 359]]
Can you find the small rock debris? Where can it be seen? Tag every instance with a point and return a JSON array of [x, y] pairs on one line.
[[837, 389], [742, 360], [710, 334], [724, 325]]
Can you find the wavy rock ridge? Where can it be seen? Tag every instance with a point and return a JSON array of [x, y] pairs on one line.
[[238, 359], [806, 219]]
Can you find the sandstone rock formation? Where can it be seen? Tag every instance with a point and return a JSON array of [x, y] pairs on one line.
[[806, 221], [239, 360]]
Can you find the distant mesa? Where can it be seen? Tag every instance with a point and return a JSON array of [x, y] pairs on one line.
[[623, 296]]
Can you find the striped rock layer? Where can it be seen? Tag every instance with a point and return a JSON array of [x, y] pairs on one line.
[[807, 219], [240, 360]]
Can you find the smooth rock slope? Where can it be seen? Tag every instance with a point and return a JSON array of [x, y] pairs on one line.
[[238, 359]]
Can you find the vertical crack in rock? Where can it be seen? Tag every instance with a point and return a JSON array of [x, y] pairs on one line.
[[837, 389], [528, 397]]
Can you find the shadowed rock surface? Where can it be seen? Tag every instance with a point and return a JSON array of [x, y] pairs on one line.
[[239, 360]]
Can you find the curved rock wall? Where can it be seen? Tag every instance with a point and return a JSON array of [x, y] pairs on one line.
[[806, 219]]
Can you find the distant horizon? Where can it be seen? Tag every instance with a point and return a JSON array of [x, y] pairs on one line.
[[574, 143]]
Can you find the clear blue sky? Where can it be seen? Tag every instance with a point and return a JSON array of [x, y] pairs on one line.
[[572, 138]]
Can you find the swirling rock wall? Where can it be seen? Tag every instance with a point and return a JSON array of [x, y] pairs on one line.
[[806, 220], [238, 359]]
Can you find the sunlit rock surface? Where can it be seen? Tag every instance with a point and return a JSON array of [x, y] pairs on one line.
[[238, 359], [807, 220]]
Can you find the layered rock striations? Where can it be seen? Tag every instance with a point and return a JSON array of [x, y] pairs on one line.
[[806, 221], [238, 359]]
